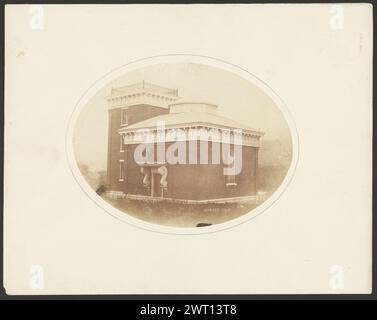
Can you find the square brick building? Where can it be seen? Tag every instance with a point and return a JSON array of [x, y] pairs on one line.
[[193, 177]]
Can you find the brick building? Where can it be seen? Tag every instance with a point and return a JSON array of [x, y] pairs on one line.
[[193, 177]]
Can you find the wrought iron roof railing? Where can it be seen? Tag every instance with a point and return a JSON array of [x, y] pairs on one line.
[[144, 86]]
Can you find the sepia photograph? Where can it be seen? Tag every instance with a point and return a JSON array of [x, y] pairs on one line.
[[182, 145]]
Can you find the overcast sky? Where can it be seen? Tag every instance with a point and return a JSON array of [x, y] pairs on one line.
[[236, 98]]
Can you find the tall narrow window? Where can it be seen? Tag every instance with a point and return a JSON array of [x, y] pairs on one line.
[[121, 144], [230, 179], [121, 170], [123, 117]]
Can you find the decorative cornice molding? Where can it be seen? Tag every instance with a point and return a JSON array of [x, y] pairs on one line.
[[249, 138], [143, 96], [194, 125]]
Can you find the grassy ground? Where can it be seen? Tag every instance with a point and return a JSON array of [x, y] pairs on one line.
[[180, 215]]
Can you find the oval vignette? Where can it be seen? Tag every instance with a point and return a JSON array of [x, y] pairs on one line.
[[167, 191]]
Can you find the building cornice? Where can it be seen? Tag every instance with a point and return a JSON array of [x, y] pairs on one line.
[[194, 125], [249, 137], [143, 96]]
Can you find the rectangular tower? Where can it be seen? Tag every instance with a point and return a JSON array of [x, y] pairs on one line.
[[128, 105]]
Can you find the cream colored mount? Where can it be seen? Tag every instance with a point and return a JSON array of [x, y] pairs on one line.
[[141, 93]]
